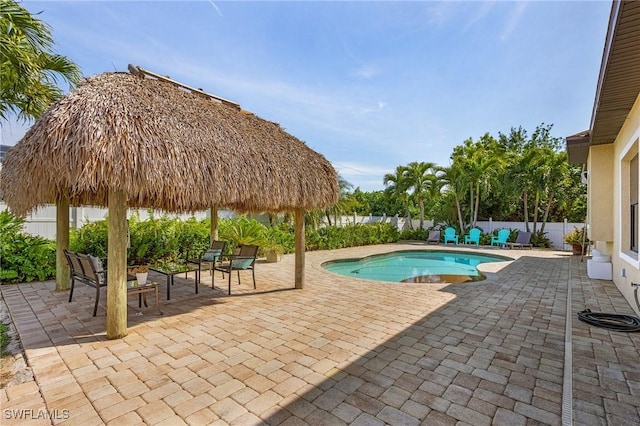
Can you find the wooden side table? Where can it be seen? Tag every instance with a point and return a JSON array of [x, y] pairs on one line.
[[141, 290]]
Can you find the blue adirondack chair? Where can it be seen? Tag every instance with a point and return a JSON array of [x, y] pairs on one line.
[[473, 237], [450, 235], [501, 239]]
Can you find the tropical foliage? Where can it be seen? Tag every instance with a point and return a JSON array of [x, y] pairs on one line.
[[158, 240], [577, 237], [5, 339], [513, 177], [24, 257], [29, 70], [333, 237]]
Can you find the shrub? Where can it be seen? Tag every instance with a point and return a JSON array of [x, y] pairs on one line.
[[331, 237], [577, 236], [24, 257], [485, 238], [90, 239], [152, 239], [241, 230], [162, 239], [540, 239], [283, 236], [193, 236], [4, 339], [149, 240], [387, 233], [414, 234]]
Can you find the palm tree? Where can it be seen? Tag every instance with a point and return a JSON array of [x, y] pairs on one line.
[[29, 70], [479, 164], [485, 169], [454, 183], [346, 202], [540, 170], [396, 184], [437, 181], [419, 178], [547, 169]]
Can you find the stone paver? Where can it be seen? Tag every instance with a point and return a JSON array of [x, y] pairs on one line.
[[340, 351]]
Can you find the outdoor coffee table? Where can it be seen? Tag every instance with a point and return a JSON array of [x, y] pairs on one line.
[[171, 270], [141, 290]]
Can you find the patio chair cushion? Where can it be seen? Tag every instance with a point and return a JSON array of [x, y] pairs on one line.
[[98, 267], [211, 255], [242, 263]]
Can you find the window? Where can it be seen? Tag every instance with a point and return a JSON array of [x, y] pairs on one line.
[[628, 229], [633, 203], [634, 228]]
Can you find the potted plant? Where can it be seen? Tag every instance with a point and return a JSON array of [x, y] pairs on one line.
[[142, 273], [272, 251], [577, 240]]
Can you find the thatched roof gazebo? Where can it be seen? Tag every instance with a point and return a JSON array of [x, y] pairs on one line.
[[134, 140]]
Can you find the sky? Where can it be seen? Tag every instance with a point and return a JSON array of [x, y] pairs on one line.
[[370, 85]]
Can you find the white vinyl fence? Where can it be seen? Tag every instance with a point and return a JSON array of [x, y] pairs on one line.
[[43, 222]]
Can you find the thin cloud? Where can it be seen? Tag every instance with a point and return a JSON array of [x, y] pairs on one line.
[[323, 109], [215, 6], [513, 20], [483, 12], [440, 13], [359, 116], [363, 175], [360, 169], [366, 72]]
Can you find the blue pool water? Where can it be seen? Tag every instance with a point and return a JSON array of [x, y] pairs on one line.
[[417, 266]]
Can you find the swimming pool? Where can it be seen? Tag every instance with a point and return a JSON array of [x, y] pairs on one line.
[[415, 266]]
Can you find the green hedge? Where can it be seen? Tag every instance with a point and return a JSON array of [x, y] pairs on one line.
[[27, 258], [24, 257], [332, 237]]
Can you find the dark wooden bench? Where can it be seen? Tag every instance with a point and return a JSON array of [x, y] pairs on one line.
[[88, 270]]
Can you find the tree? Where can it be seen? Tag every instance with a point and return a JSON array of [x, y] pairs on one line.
[[543, 169], [454, 183], [377, 203], [397, 185], [419, 178], [29, 70], [538, 184], [346, 202], [437, 182], [480, 164]]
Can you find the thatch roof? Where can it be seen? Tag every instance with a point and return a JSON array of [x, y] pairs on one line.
[[167, 148]]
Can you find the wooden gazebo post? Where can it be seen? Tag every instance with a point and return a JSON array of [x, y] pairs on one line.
[[299, 235], [62, 243], [117, 265], [214, 223]]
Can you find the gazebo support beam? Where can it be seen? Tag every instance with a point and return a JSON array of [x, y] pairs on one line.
[[62, 243], [214, 224], [299, 232], [117, 266]]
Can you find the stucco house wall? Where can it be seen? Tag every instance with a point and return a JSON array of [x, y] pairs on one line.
[[610, 151], [600, 196], [626, 263]]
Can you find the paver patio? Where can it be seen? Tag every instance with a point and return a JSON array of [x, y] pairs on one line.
[[340, 351]]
